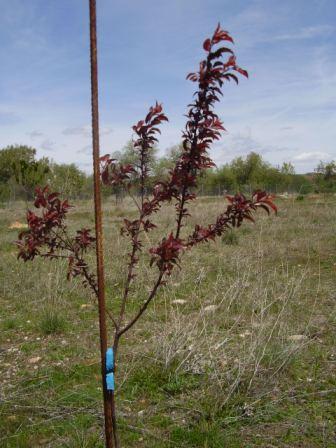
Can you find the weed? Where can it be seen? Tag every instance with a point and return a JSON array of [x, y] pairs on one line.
[[230, 238], [9, 324], [52, 322]]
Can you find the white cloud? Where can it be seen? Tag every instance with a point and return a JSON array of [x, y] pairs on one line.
[[35, 134], [48, 145], [8, 118], [311, 157], [87, 150], [308, 32], [81, 130], [85, 131]]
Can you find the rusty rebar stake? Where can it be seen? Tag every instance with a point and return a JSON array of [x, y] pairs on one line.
[[108, 397]]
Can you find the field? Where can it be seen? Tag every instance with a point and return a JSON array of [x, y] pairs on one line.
[[238, 349]]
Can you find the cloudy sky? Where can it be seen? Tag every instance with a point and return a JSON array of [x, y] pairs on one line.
[[285, 111]]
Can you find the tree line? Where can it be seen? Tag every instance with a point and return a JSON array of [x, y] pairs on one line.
[[21, 172]]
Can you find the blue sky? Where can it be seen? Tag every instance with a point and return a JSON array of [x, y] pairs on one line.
[[286, 110]]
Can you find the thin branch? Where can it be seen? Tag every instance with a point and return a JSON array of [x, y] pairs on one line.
[[134, 200], [128, 281], [143, 307]]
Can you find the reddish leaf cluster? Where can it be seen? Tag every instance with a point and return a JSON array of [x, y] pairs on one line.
[[203, 126], [47, 236], [41, 229], [84, 238], [146, 129], [114, 173], [166, 254], [239, 209]]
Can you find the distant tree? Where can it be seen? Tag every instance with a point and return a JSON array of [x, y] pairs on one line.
[[327, 170], [30, 174], [163, 165], [9, 157], [20, 171], [67, 179], [251, 171], [325, 178], [128, 155], [287, 169]]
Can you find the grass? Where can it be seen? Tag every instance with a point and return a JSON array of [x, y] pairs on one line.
[[230, 238], [51, 322], [237, 350]]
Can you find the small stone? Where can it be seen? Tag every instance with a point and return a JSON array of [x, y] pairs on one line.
[[34, 360], [297, 337], [18, 225], [210, 308], [246, 333], [11, 417], [179, 302]]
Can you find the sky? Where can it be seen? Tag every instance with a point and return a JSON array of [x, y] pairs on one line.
[[285, 111]]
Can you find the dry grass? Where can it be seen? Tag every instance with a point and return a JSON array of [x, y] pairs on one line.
[[237, 350]]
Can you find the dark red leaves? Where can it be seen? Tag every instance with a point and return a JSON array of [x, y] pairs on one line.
[[113, 173], [166, 254], [220, 35], [47, 236], [239, 209], [203, 126], [131, 228], [232, 64], [84, 238], [264, 200], [40, 227], [241, 71], [207, 45], [192, 76]]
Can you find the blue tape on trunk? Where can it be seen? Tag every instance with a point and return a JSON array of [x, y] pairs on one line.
[[109, 360], [110, 381], [109, 369]]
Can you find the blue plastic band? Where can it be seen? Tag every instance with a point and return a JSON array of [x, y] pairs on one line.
[[109, 360], [109, 369], [110, 381]]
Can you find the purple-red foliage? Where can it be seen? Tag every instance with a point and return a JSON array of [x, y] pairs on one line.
[[239, 209], [114, 173], [41, 229], [166, 254], [47, 236]]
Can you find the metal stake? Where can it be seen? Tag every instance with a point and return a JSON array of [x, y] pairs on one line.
[[108, 398]]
